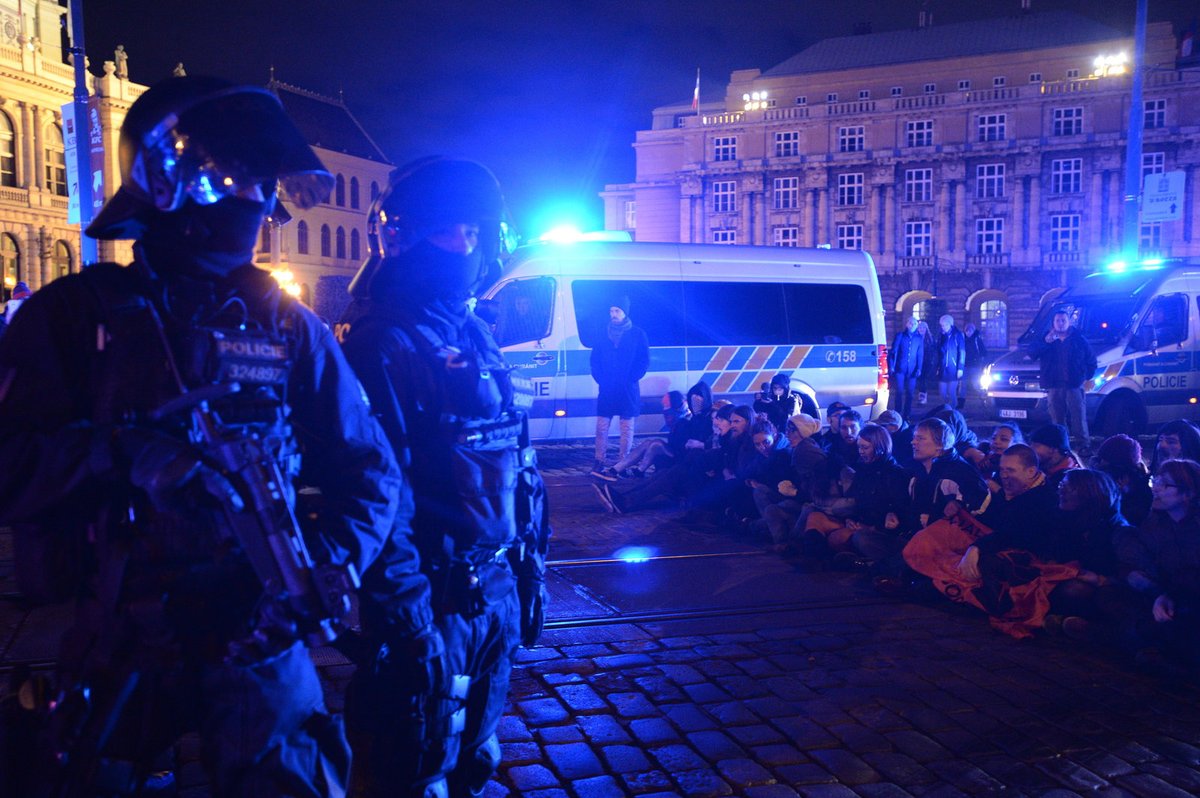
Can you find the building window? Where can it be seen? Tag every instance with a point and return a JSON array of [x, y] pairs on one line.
[[630, 214], [802, 100], [724, 236], [989, 180], [786, 193], [302, 238], [787, 236], [897, 91], [964, 85], [339, 192], [341, 243], [1153, 163], [851, 139], [326, 242], [1150, 239], [998, 82], [993, 324], [725, 148], [1035, 77], [724, 194], [831, 97], [62, 258], [787, 144], [931, 88], [1064, 232], [864, 94], [918, 239], [1066, 175], [991, 127], [918, 185], [1067, 121], [355, 244], [354, 193], [850, 188], [56, 161], [10, 256], [849, 236], [1072, 74], [8, 161], [919, 133], [1155, 114], [989, 235]]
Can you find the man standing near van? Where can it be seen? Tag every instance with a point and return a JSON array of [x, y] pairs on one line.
[[904, 363], [1066, 362], [619, 359], [952, 361]]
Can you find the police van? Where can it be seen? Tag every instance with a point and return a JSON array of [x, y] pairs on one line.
[[732, 316], [1142, 321]]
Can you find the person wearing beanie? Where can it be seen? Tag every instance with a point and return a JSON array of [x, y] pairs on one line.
[[778, 401], [20, 293], [1053, 447], [831, 436], [1121, 458], [901, 432], [620, 357]]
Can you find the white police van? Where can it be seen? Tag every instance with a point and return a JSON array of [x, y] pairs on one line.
[[1143, 323], [732, 316]]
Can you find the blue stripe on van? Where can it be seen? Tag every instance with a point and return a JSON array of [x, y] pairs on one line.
[[739, 359], [668, 358], [742, 383], [710, 377], [700, 356], [777, 357]]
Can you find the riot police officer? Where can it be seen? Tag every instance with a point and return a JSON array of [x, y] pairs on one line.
[[454, 414], [110, 463]]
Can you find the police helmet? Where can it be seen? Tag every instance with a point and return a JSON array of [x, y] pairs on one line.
[[425, 196], [205, 139]]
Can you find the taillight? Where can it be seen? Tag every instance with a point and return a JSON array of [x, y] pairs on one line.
[[881, 383]]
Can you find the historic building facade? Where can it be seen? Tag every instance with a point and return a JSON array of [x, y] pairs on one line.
[[981, 164]]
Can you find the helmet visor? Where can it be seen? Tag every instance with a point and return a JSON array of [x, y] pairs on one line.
[[230, 142]]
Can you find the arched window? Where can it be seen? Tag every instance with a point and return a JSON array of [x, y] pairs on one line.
[[374, 190], [993, 324], [341, 244], [56, 161], [302, 238], [339, 192], [354, 192], [62, 258], [355, 246], [10, 256], [326, 242], [8, 159]]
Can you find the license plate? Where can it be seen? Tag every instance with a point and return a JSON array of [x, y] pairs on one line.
[[1005, 413], [1033, 386]]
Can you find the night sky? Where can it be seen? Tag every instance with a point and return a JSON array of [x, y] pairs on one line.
[[549, 93]]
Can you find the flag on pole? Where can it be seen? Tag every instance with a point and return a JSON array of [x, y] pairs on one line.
[[696, 93]]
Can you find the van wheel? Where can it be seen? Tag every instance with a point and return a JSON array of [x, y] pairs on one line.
[[1121, 414], [809, 406]]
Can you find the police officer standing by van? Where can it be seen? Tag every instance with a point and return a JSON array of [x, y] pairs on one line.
[[423, 712], [128, 397]]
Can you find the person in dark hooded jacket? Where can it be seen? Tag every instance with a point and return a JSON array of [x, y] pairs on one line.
[[779, 402], [619, 360]]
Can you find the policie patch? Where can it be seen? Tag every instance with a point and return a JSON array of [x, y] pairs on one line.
[[251, 357]]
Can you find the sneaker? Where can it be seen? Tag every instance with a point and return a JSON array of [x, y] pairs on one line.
[[599, 471], [608, 474], [604, 496]]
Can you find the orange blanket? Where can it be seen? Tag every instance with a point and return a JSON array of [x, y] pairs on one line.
[[1013, 588]]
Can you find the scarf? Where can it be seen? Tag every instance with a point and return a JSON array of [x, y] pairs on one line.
[[615, 331]]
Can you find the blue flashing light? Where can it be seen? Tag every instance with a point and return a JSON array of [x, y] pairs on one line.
[[1117, 266], [562, 234], [635, 553]]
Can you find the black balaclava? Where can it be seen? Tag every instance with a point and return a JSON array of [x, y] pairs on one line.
[[204, 240], [427, 273]]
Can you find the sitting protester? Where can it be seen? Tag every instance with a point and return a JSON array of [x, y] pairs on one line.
[[779, 402], [901, 432], [1121, 458], [833, 432], [1177, 440], [966, 443], [805, 479], [941, 476], [654, 452], [1003, 436], [1053, 448]]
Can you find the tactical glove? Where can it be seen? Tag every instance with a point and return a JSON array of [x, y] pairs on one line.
[[163, 466]]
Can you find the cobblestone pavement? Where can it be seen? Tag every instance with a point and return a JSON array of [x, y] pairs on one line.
[[827, 691]]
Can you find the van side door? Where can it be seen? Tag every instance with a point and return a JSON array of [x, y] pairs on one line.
[[524, 313]]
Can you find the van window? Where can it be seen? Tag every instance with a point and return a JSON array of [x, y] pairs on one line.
[[654, 305], [725, 313], [1164, 324], [524, 310]]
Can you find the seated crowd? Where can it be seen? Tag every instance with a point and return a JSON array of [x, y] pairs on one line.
[[1022, 529]]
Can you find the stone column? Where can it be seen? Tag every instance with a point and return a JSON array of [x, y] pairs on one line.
[[1116, 209], [814, 208], [39, 150], [24, 153], [1035, 220], [1095, 209], [1020, 229], [945, 234], [822, 216], [878, 221], [961, 222]]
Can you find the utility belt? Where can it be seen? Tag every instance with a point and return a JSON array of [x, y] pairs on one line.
[[467, 584], [497, 434]]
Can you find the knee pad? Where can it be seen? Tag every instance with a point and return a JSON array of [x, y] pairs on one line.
[[479, 766], [436, 789]]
